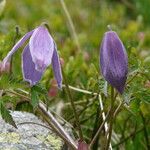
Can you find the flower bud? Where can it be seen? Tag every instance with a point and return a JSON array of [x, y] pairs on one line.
[[114, 61], [53, 90]]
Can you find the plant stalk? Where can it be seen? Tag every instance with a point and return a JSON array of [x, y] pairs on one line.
[[73, 106], [111, 119], [145, 131], [55, 125], [98, 132], [71, 25]]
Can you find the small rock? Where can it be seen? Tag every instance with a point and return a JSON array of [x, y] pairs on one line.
[[27, 136]]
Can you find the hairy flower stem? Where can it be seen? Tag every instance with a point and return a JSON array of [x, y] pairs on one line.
[[99, 130], [103, 114], [57, 127], [73, 106], [111, 119]]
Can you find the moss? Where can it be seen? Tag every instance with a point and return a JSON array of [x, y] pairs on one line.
[[52, 140], [9, 137]]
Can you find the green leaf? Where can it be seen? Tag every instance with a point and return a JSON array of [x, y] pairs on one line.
[[6, 115], [34, 97], [127, 97], [40, 89]]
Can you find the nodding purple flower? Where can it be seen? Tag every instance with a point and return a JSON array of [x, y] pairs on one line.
[[114, 61], [37, 55]]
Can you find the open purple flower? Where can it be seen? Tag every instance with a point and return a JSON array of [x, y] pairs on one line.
[[114, 61], [37, 55]]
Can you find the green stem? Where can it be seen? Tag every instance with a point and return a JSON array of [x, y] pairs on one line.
[[29, 122], [117, 109], [81, 111], [81, 90], [145, 131], [18, 94], [16, 35], [128, 137], [55, 125], [95, 94], [132, 78], [98, 132], [133, 134], [73, 106], [14, 42], [111, 119], [71, 25]]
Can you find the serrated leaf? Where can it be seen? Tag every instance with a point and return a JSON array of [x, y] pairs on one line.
[[127, 97], [6, 115], [34, 97], [39, 88]]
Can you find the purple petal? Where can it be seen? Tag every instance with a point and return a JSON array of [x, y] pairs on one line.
[[57, 67], [30, 74], [41, 48], [16, 46], [114, 61]]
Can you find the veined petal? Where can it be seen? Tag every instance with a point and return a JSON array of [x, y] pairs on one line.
[[57, 67], [41, 48], [30, 74], [16, 46], [114, 61]]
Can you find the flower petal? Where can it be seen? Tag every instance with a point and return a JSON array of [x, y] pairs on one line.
[[114, 61], [57, 67], [16, 46], [41, 48], [30, 74]]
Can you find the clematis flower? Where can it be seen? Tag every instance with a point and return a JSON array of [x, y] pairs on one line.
[[114, 61], [37, 55]]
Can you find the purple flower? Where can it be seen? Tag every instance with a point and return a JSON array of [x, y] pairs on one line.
[[37, 55], [114, 61]]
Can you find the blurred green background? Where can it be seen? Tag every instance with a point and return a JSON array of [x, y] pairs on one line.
[[129, 18]]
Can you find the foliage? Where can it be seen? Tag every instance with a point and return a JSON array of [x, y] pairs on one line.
[[6, 115], [130, 19]]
